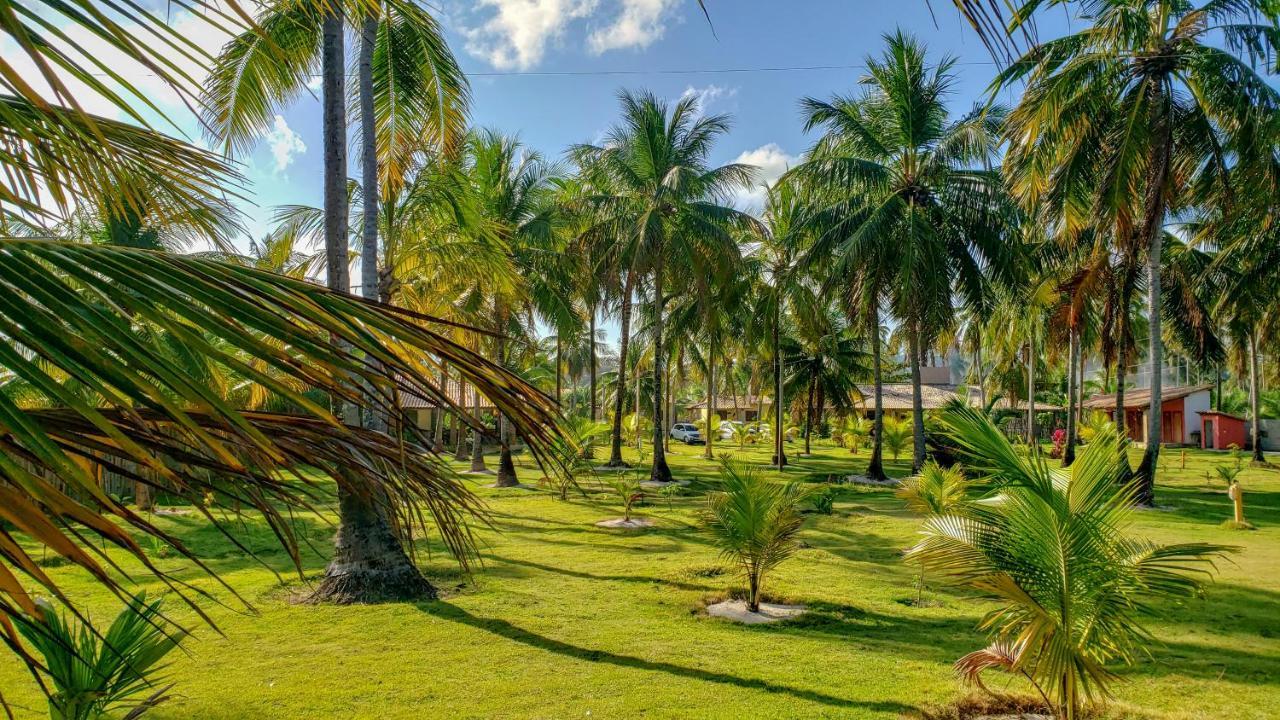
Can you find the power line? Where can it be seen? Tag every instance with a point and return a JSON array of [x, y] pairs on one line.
[[679, 71]]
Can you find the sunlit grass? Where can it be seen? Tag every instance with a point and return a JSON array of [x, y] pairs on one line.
[[566, 619]]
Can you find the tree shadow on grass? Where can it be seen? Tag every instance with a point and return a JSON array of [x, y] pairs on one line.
[[504, 629], [1211, 505], [639, 579]]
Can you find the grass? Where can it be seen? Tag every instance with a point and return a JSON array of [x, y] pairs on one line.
[[569, 620]]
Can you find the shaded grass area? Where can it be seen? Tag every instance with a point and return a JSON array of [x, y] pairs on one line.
[[565, 619]]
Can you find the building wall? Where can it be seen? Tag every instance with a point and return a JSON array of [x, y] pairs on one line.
[[1192, 406], [1271, 438], [1226, 431]]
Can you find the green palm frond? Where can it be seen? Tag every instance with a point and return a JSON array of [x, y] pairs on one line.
[[56, 158], [55, 150], [103, 397], [935, 490], [1052, 548], [755, 522], [421, 98]]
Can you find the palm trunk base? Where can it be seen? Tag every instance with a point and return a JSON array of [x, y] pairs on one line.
[[369, 564], [1145, 476], [506, 470], [660, 472], [875, 470]]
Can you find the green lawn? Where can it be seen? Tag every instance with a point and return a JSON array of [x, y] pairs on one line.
[[569, 620]]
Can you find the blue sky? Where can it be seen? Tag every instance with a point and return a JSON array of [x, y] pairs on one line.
[[504, 44], [549, 71]]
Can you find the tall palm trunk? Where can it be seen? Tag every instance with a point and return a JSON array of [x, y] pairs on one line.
[[559, 369], [779, 448], [670, 406], [1255, 429], [1031, 389], [875, 469], [1073, 349], [660, 472], [1153, 219], [917, 405], [624, 337], [1121, 415], [459, 427], [808, 414], [591, 368], [506, 465], [369, 563], [437, 443], [711, 400], [477, 437], [977, 368], [369, 279]]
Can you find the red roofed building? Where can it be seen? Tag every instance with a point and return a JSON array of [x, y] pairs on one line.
[[1180, 408]]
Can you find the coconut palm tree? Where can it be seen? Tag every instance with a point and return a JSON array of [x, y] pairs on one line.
[[755, 522], [515, 191], [666, 205], [130, 410], [1051, 547], [909, 198], [825, 360], [1123, 119]]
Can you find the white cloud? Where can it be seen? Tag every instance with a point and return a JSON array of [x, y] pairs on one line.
[[285, 144], [638, 25], [518, 32], [709, 95], [772, 162]]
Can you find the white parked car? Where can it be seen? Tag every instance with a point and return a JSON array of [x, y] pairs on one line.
[[727, 428], [687, 433]]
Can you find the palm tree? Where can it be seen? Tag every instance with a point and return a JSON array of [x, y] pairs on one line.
[[1051, 547], [94, 672], [755, 522], [907, 198], [664, 204], [825, 359], [779, 281], [1123, 119], [515, 192], [130, 411], [934, 491]]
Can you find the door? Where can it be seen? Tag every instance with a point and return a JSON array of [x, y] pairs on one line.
[[1208, 435], [1170, 427]]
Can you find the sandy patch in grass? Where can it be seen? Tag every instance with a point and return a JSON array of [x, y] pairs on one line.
[[737, 611], [625, 524], [658, 484]]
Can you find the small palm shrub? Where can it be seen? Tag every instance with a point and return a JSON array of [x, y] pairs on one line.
[[824, 501], [755, 522], [742, 435], [571, 455], [935, 491], [856, 431], [627, 488], [94, 673], [710, 424], [1052, 548], [1230, 476], [897, 436], [1095, 423]]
